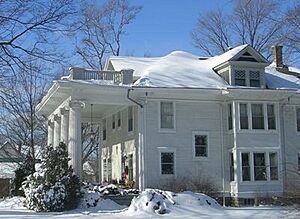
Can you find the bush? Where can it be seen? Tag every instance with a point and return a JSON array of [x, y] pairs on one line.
[[24, 170], [53, 187]]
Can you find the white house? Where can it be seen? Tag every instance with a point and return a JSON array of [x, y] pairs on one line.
[[233, 119]]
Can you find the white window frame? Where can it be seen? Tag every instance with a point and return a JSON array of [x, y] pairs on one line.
[[166, 150], [247, 76], [193, 145], [267, 164], [166, 130], [104, 124], [265, 113]]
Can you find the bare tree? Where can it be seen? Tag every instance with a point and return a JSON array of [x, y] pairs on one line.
[[30, 29], [259, 23], [102, 28], [19, 122]]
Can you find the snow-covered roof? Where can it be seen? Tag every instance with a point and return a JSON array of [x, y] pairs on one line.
[[138, 64], [7, 169], [279, 80], [181, 69]]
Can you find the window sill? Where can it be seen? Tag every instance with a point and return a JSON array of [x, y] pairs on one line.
[[166, 130]]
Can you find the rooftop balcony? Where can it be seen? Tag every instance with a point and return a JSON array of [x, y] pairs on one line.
[[124, 76]]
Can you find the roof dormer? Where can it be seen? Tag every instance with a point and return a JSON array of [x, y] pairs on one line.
[[243, 66]]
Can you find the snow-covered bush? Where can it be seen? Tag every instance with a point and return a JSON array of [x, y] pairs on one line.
[[53, 187], [25, 169]]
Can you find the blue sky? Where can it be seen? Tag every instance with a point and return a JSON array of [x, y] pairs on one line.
[[165, 25]]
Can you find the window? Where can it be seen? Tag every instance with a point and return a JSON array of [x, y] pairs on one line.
[[298, 118], [240, 77], [201, 145], [230, 121], [257, 116], [167, 163], [104, 129], [109, 169], [166, 115], [246, 167], [254, 77], [130, 119], [273, 166], [298, 161], [130, 167], [104, 169], [119, 119], [271, 116], [260, 166], [231, 167], [113, 124], [243, 116]]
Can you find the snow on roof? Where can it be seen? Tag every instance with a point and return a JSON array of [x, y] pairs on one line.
[[138, 64], [7, 169], [278, 80], [181, 69]]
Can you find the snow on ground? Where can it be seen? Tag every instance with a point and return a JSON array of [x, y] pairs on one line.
[[176, 205]]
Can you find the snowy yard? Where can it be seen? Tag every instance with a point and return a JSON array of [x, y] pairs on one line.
[[148, 205]]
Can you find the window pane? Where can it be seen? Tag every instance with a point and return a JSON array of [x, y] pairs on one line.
[[230, 116], [298, 119], [273, 166], [167, 163], [271, 116], [200, 145], [231, 167], [260, 166], [243, 116], [113, 122], [254, 78], [245, 167], [104, 129], [130, 119], [240, 78], [119, 119], [257, 116], [298, 161], [166, 115]]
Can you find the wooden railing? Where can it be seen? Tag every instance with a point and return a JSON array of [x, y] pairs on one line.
[[117, 77]]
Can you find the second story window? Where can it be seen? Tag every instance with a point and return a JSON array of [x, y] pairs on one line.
[[119, 119], [104, 129], [166, 115], [298, 118], [271, 116], [230, 116], [243, 116], [113, 123], [240, 77], [130, 119], [257, 116]]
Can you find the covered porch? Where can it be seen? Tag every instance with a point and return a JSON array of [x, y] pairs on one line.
[[105, 108]]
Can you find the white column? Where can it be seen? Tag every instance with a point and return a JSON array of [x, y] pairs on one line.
[[74, 146], [64, 125], [56, 130], [50, 132]]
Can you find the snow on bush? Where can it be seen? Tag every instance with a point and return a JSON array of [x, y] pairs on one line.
[[53, 187], [110, 189], [161, 202]]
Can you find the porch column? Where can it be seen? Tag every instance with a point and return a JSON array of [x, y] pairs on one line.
[[50, 132], [56, 137], [64, 125], [74, 146]]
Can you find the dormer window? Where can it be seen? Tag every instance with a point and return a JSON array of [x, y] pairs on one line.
[[254, 78], [250, 78], [240, 77]]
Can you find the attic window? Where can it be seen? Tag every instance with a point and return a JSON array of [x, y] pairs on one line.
[[247, 57], [254, 78], [240, 77]]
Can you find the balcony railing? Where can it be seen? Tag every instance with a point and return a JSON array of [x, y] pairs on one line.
[[116, 77]]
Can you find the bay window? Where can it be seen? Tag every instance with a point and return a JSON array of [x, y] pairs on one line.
[[257, 116], [245, 167], [259, 166], [243, 116], [271, 116]]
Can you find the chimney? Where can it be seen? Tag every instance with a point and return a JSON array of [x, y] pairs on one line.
[[277, 56]]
